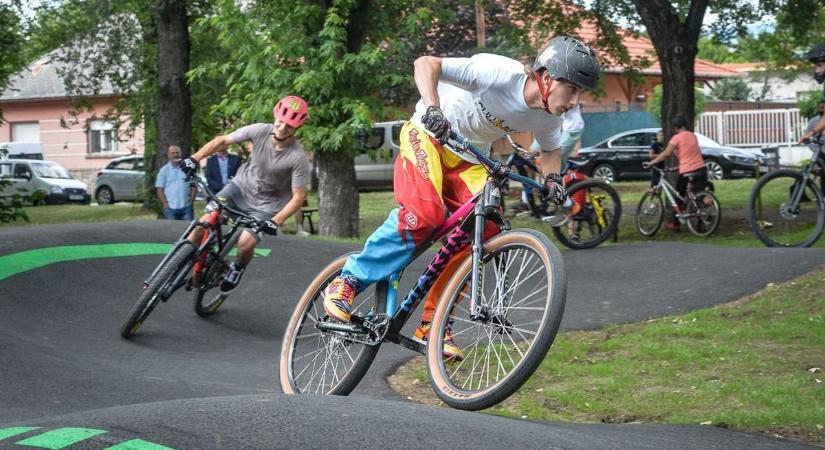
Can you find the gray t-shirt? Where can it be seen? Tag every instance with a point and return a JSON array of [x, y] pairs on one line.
[[267, 179]]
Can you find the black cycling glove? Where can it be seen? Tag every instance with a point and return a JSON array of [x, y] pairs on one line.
[[189, 166], [554, 190], [435, 122], [269, 227]]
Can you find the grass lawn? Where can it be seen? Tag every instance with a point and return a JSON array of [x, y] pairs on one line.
[[756, 364]]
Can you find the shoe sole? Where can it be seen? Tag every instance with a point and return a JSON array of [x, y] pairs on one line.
[[447, 356]]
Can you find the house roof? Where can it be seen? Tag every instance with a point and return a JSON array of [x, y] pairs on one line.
[[41, 80], [641, 47]]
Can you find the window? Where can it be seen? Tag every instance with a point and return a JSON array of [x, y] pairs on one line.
[[22, 171], [396, 134], [126, 164], [631, 140], [102, 137], [371, 141], [5, 170], [25, 132]]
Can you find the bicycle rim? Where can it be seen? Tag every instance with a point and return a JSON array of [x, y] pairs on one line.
[[704, 214], [598, 218], [523, 294], [649, 214], [325, 363], [774, 217]]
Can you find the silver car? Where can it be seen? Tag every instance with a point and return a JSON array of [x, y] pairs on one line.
[[121, 180]]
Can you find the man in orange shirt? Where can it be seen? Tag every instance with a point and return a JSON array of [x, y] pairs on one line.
[[685, 146]]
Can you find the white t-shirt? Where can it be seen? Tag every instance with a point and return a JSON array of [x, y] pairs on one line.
[[483, 98], [573, 122]]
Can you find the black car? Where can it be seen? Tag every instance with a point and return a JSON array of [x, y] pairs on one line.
[[621, 157]]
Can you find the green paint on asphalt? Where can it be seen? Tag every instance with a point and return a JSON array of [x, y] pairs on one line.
[[60, 438], [32, 259], [14, 431], [138, 444]]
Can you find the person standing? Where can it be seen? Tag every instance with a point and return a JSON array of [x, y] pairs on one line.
[[656, 148], [220, 168], [174, 193]]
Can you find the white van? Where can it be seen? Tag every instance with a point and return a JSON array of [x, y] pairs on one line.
[[52, 180], [21, 150]]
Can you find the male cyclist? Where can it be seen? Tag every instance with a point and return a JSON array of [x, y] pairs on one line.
[[481, 97], [685, 146], [270, 186], [817, 56]]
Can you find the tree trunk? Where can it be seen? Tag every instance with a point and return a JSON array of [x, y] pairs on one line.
[[174, 115], [337, 195]]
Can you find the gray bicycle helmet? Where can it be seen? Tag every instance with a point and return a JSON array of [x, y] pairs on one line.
[[567, 58], [816, 54]]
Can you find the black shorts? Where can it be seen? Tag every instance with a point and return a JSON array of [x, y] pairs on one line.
[[699, 178], [231, 196]]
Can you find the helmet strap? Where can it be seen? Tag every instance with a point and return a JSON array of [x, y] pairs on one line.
[[275, 136], [544, 90]]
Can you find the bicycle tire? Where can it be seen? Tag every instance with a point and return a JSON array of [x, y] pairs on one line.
[[214, 270], [703, 219], [772, 223], [589, 219], [149, 298], [503, 319], [652, 207], [312, 302]]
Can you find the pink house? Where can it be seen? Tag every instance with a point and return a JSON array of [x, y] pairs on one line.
[[36, 108]]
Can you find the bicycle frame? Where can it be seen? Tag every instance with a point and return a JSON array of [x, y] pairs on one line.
[[673, 195], [464, 225]]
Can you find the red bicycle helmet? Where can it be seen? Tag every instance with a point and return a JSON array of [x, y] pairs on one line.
[[292, 110]]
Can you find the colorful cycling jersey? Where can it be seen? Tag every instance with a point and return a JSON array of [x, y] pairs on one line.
[[482, 104]]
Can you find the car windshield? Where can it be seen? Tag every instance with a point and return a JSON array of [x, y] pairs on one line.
[[50, 170]]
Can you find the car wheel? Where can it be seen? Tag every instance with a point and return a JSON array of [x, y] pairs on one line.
[[606, 172], [715, 171], [104, 196]]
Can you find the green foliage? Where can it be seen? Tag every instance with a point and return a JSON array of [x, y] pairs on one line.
[[654, 103], [808, 102], [11, 208], [11, 41], [714, 51], [731, 89]]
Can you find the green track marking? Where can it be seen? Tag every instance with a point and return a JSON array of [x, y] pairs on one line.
[[14, 431], [32, 259], [138, 444], [60, 438]]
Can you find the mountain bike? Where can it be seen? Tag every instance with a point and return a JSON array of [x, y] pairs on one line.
[[701, 209], [195, 267], [785, 208], [504, 305], [601, 205]]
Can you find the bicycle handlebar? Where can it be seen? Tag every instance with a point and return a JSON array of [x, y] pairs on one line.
[[666, 169], [244, 219], [460, 144]]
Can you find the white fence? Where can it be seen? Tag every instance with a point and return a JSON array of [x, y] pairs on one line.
[[755, 128]]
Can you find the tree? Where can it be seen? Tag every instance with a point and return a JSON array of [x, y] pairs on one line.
[[654, 103], [12, 43], [349, 59], [731, 90]]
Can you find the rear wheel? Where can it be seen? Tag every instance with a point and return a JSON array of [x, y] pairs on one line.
[[523, 289], [704, 214], [598, 218], [326, 362], [104, 196], [151, 295], [782, 216], [650, 213]]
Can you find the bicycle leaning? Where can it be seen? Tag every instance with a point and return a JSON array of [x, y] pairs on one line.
[[786, 208], [601, 207], [504, 305], [700, 210], [195, 267]]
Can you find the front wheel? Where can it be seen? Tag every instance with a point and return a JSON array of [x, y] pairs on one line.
[[214, 269], [523, 289], [598, 218], [151, 295], [650, 213], [785, 210], [326, 362], [703, 214]]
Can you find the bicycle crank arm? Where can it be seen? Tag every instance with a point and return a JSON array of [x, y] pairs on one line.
[[342, 327]]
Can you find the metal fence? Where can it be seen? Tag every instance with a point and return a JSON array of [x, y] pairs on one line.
[[753, 128]]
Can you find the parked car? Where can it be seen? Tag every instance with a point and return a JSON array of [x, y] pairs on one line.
[[121, 180], [621, 157], [51, 180], [375, 160]]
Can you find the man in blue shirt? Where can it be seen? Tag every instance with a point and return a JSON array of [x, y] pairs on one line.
[[174, 193], [220, 169]]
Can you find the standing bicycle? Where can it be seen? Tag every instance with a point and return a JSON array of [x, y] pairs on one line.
[[786, 207], [194, 265], [503, 305], [699, 209]]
